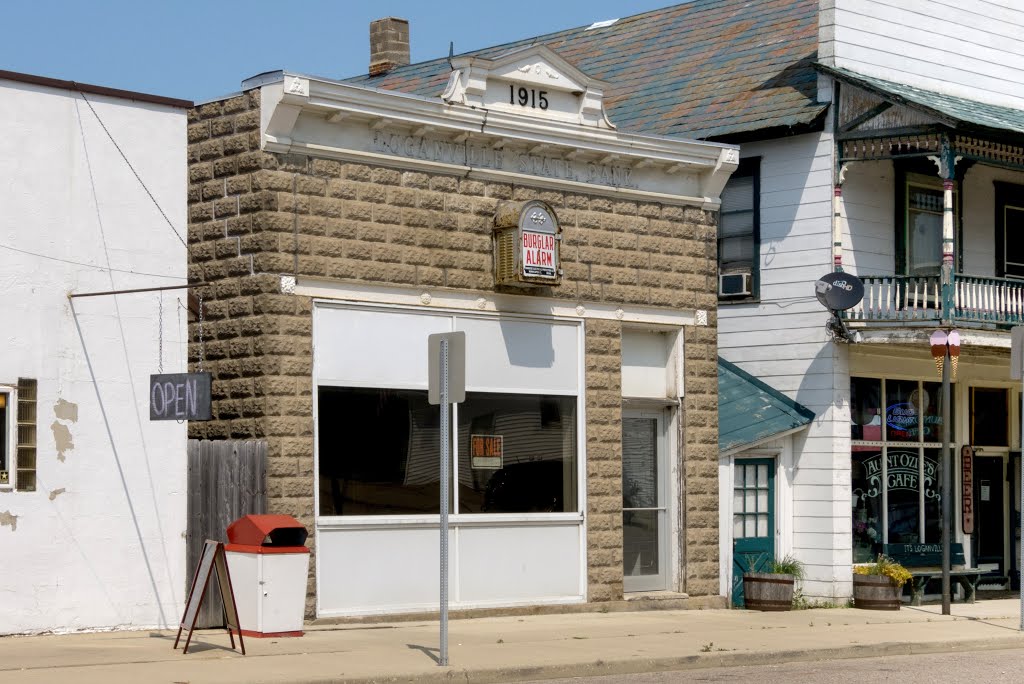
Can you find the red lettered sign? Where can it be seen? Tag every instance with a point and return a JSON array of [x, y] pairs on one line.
[[967, 480], [539, 254]]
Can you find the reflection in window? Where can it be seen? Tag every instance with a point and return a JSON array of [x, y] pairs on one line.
[[531, 468], [865, 409], [924, 230], [867, 483], [902, 408], [895, 487], [378, 452], [989, 417]]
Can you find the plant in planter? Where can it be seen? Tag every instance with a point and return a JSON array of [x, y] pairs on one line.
[[772, 590], [878, 585]]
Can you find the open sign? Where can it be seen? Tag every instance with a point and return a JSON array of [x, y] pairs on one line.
[[179, 396]]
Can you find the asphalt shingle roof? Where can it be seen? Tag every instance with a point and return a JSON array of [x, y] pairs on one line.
[[750, 411], [959, 109], [703, 69]]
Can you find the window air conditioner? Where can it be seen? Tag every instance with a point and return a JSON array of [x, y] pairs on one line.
[[734, 284]]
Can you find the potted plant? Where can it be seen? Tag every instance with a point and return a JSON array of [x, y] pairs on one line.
[[773, 589], [878, 585]]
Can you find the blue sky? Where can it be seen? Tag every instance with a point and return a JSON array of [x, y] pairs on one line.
[[200, 50]]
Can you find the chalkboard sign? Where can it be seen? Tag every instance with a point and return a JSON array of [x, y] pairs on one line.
[[179, 396], [213, 557]]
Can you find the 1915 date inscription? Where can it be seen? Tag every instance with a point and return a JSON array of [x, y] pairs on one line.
[[528, 97]]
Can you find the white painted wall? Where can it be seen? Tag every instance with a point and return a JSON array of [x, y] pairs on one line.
[[782, 341], [869, 237], [979, 216], [968, 49], [99, 544]]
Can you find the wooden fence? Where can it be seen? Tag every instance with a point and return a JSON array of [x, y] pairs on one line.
[[226, 480]]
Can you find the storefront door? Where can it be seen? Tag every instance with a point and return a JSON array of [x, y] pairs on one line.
[[753, 520], [644, 502], [989, 531]]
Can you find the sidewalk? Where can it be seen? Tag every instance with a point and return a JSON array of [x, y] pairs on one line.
[[516, 648]]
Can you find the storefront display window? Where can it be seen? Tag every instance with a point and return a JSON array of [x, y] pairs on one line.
[[895, 471], [516, 453], [379, 453]]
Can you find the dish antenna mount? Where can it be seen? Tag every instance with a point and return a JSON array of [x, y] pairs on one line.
[[838, 292]]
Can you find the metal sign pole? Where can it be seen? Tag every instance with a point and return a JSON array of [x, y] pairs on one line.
[[446, 378], [947, 487], [445, 459]]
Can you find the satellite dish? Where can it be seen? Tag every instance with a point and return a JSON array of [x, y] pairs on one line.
[[839, 291]]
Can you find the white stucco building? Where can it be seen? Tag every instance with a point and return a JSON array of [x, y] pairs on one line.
[[92, 494]]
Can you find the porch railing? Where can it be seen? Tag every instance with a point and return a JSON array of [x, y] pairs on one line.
[[893, 299]]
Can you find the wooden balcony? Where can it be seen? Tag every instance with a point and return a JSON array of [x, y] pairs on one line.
[[917, 300]]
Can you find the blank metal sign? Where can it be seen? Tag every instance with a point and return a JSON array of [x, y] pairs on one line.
[[456, 367]]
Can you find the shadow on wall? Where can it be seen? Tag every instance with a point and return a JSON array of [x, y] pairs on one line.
[[529, 346], [119, 465], [823, 389]]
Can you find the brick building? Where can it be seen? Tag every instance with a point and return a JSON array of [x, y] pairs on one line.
[[336, 226]]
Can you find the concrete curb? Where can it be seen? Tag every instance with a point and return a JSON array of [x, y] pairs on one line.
[[695, 662]]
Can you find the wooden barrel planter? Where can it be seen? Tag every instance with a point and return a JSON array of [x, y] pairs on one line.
[[764, 591], [875, 592]]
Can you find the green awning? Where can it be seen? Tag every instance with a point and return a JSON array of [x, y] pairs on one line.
[[953, 111], [751, 412]]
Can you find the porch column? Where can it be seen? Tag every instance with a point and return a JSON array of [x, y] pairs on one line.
[[946, 168], [947, 249], [837, 226]]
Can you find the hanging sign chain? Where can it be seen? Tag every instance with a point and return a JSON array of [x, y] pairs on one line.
[[202, 351], [160, 336]]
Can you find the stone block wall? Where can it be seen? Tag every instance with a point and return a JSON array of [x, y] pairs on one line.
[[254, 216]]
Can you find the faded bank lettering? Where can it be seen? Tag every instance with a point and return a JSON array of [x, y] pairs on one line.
[[487, 157]]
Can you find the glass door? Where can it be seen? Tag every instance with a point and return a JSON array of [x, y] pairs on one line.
[[753, 520], [644, 502]]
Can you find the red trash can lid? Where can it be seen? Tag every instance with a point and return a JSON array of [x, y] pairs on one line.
[[267, 530]]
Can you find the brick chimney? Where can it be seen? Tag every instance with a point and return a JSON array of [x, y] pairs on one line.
[[389, 44]]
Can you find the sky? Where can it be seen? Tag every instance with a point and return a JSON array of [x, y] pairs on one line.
[[199, 51]]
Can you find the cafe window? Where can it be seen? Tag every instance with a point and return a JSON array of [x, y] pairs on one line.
[[990, 420], [379, 453], [894, 464]]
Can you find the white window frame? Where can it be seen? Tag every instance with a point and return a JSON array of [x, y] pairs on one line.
[[11, 441], [456, 518]]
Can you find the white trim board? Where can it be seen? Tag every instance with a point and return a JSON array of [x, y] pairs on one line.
[[456, 300]]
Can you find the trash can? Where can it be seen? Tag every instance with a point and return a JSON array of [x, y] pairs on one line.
[[269, 564]]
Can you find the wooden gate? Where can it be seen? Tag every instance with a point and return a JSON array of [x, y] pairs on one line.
[[226, 480]]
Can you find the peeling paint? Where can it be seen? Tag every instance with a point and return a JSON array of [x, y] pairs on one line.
[[62, 439], [7, 519], [56, 492], [65, 410]]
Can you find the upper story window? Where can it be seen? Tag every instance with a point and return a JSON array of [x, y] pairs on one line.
[[919, 238], [739, 233]]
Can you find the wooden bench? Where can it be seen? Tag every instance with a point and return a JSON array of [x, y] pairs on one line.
[[924, 561]]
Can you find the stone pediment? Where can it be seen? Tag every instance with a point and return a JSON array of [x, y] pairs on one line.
[[532, 81]]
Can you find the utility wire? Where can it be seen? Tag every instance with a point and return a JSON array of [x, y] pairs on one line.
[[95, 266], [134, 172]]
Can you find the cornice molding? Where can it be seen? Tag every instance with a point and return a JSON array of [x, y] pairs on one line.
[[339, 120]]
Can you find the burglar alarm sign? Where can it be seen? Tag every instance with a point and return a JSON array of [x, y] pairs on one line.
[[539, 255]]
